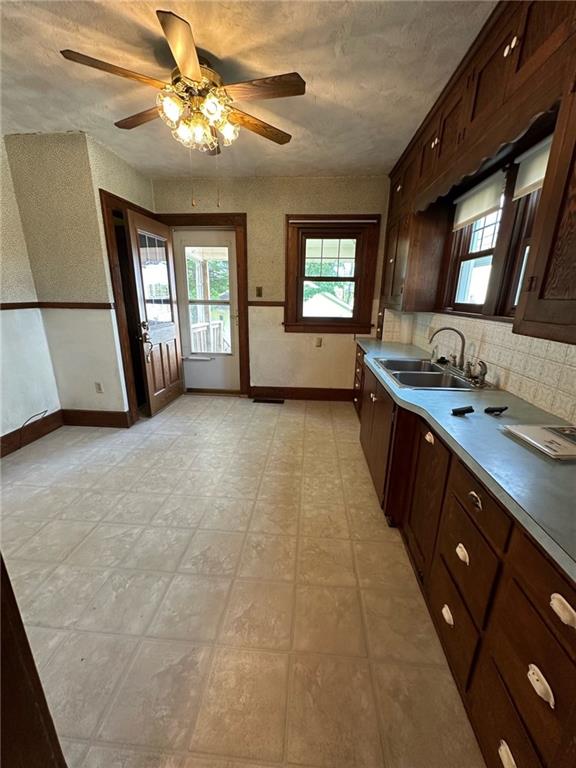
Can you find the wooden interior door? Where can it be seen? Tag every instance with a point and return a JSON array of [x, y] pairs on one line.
[[159, 336]]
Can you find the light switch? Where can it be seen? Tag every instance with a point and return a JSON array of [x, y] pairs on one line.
[[318, 342], [259, 291]]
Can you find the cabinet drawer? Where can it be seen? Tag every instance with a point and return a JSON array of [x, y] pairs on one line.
[[470, 560], [455, 627], [538, 673], [486, 513], [551, 594], [496, 722]]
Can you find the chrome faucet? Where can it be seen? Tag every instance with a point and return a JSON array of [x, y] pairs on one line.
[[462, 343]]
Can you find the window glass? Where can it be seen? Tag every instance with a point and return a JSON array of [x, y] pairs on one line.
[[155, 278], [328, 299], [485, 232], [473, 278], [330, 257], [208, 278], [208, 273], [210, 329]]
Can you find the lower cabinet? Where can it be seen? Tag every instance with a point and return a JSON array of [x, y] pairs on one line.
[[504, 611], [376, 426], [430, 470]]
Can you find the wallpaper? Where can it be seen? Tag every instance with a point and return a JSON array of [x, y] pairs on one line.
[[16, 281], [266, 201], [53, 186]]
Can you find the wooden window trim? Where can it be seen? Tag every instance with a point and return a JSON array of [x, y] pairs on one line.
[[366, 229]]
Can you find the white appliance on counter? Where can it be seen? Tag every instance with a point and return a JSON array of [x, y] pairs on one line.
[[558, 442]]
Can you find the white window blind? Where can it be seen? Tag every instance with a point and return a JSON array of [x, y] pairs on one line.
[[532, 168], [479, 201]]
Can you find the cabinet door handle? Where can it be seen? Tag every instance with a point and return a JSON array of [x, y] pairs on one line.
[[507, 51], [514, 43], [447, 615], [506, 757], [540, 685], [462, 553], [476, 500], [355, 399], [563, 610], [429, 437]]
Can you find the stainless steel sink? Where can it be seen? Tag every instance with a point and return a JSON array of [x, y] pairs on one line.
[[424, 380], [409, 365]]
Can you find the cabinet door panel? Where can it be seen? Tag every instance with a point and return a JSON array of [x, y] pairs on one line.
[[543, 28], [389, 264], [367, 411], [428, 154], [430, 472], [382, 424], [547, 305], [490, 73], [401, 262], [451, 126]]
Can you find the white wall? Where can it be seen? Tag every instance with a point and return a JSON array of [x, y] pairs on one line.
[[85, 349], [27, 383]]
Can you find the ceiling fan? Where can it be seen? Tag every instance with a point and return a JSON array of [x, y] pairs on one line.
[[196, 104]]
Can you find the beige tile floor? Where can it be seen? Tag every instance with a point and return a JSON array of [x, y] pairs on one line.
[[217, 588]]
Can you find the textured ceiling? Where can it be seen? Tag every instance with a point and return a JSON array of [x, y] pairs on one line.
[[373, 70]]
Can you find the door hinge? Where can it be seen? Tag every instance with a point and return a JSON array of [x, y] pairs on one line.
[[531, 284]]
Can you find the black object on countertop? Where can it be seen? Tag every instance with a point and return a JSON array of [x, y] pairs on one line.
[[496, 410], [462, 411]]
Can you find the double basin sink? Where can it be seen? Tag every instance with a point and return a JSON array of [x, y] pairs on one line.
[[423, 374]]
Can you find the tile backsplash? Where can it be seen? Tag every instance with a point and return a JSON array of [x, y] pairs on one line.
[[539, 371]]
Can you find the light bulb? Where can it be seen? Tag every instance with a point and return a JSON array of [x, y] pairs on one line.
[[229, 133], [212, 108], [184, 133], [171, 107]]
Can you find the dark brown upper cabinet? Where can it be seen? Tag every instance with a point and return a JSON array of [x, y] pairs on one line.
[[547, 306], [428, 152], [452, 125], [543, 27], [489, 72]]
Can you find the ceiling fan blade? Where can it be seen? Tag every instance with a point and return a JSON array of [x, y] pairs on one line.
[[138, 119], [275, 87], [179, 35], [88, 61], [258, 126]]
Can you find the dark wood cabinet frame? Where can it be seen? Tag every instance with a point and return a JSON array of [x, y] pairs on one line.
[[235, 221], [366, 229]]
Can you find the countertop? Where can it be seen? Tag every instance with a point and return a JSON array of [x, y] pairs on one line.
[[539, 492]]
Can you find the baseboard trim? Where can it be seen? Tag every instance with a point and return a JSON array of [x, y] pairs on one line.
[[79, 418], [12, 441], [204, 391], [302, 393]]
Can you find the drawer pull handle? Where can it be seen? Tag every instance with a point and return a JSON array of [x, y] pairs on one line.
[[429, 437], [506, 757], [540, 685], [476, 500], [462, 553], [563, 610], [447, 615]]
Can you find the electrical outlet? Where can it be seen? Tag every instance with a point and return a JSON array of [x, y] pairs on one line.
[[318, 342], [98, 387]]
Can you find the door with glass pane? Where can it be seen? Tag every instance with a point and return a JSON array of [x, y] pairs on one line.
[[156, 289], [207, 283]]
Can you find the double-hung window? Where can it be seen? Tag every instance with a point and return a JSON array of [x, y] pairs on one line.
[[492, 234], [330, 269]]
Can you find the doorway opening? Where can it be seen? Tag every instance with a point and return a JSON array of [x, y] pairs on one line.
[[213, 316], [207, 284]]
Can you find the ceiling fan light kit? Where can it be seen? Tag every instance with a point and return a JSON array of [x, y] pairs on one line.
[[196, 105]]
